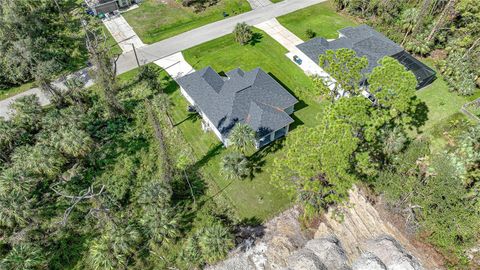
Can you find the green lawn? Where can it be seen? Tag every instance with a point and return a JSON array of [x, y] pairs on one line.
[[320, 18], [154, 20], [443, 109], [251, 198], [12, 91]]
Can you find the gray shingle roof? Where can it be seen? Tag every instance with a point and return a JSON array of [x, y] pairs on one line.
[[365, 41], [253, 97]]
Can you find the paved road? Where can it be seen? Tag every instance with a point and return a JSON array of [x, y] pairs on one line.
[[153, 52], [43, 97], [167, 47]]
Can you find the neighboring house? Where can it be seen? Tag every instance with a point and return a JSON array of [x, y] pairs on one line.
[[107, 6], [253, 98], [365, 41]]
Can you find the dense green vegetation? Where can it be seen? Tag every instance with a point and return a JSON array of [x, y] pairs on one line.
[[32, 32], [121, 175], [432, 180], [98, 190], [155, 20], [39, 34]]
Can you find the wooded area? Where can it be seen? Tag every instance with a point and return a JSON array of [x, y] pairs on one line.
[[35, 35]]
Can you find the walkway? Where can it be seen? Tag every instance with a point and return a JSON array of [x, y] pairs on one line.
[[175, 65], [259, 3], [281, 34], [123, 33]]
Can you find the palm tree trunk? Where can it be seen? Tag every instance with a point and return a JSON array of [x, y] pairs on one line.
[[190, 186], [475, 43], [440, 19], [405, 37]]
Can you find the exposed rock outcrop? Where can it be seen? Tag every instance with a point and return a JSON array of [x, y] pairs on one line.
[[362, 240], [392, 254], [305, 259], [368, 261], [330, 251]]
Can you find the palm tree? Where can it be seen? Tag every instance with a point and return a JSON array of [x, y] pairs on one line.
[[242, 137], [215, 241], [28, 113], [235, 165], [149, 74], [115, 247], [24, 257], [72, 141], [243, 33], [409, 21], [162, 224], [74, 92]]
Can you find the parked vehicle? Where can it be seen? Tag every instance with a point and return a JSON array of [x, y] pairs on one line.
[[297, 59]]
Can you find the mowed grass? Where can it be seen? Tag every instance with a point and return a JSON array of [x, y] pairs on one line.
[[321, 19], [12, 91], [252, 198], [154, 20], [443, 110]]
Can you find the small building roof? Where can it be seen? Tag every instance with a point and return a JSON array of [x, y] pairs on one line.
[[366, 41], [253, 97]]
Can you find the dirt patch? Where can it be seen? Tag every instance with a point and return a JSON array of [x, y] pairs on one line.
[[438, 55], [427, 251], [172, 3]]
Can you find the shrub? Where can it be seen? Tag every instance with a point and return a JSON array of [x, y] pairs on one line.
[[235, 165], [310, 33], [243, 33]]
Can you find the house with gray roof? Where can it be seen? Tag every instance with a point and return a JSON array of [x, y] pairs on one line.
[[366, 41], [252, 97], [107, 6]]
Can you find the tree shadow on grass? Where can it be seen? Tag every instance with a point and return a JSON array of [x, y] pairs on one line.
[[421, 115], [214, 150], [194, 117], [256, 38], [258, 158], [169, 85]]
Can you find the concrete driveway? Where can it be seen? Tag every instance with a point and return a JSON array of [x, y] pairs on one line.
[[123, 33], [175, 65], [259, 3], [290, 41], [281, 34]]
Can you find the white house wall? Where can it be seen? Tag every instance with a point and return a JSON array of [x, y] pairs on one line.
[[204, 117], [290, 109]]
